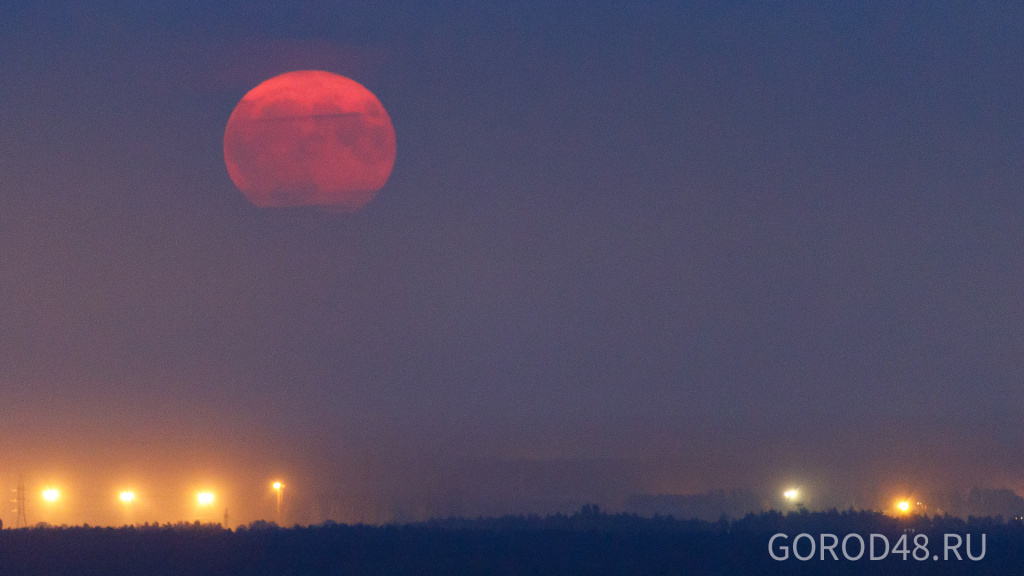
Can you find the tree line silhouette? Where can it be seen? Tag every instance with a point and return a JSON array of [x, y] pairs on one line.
[[586, 542]]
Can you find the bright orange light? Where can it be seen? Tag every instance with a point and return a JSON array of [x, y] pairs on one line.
[[903, 506], [204, 498], [278, 485], [51, 494], [127, 496]]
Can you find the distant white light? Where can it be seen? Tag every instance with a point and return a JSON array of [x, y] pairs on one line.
[[790, 494], [204, 498], [127, 496], [51, 494]]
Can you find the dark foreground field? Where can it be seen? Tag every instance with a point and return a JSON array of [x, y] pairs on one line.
[[585, 543]]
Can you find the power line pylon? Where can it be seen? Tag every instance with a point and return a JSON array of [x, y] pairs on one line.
[[20, 522]]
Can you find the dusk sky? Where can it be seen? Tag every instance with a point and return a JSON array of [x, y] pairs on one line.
[[654, 247]]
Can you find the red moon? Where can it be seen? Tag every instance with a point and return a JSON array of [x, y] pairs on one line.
[[309, 138]]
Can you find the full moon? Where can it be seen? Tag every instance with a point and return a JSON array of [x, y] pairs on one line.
[[309, 138]]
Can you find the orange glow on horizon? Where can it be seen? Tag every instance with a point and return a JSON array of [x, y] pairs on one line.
[[51, 494], [204, 498]]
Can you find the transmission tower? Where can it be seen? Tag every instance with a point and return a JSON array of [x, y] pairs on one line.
[[19, 498]]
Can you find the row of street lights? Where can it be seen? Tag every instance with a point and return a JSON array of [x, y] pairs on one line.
[[901, 506], [204, 498]]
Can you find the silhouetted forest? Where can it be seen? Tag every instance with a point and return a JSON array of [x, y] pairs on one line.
[[587, 542]]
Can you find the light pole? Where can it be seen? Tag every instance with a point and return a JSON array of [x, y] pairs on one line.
[[279, 488], [205, 501], [127, 497], [50, 497]]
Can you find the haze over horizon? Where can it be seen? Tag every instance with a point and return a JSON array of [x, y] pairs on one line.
[[670, 247]]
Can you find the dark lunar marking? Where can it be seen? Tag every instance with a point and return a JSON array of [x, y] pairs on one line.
[[305, 116]]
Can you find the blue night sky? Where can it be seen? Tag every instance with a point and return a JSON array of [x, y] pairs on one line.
[[659, 247]]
